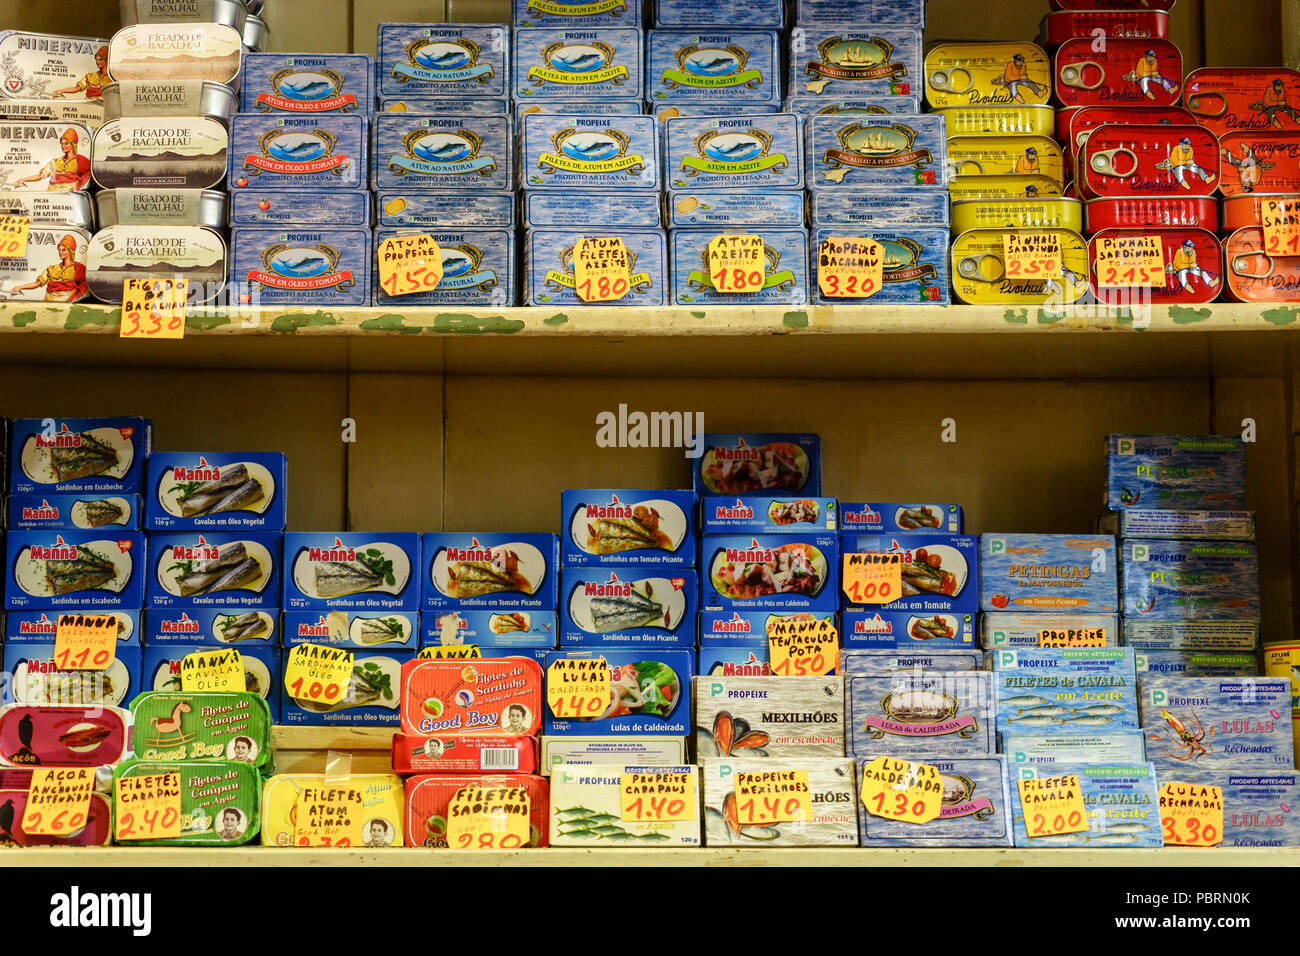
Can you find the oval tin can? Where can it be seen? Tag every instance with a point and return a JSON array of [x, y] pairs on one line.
[[979, 278], [89, 113], [190, 252], [429, 796], [1193, 268], [1161, 212], [1005, 156], [983, 74], [131, 98], [1116, 24], [1256, 276], [53, 156], [45, 66], [1165, 5], [232, 13], [212, 814], [45, 208], [1128, 73], [155, 52], [1138, 160], [1052, 212], [1239, 211], [169, 152], [1074, 124], [62, 736], [1260, 161], [161, 207], [998, 120], [441, 696], [1227, 99], [1002, 187], [97, 831], [53, 269], [254, 34]]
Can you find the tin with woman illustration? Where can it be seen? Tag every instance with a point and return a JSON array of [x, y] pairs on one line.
[[984, 74], [979, 272], [1148, 160], [429, 797], [53, 269], [44, 66], [51, 157], [1193, 267], [1257, 275], [1005, 156], [1225, 100], [1123, 73], [1260, 161]]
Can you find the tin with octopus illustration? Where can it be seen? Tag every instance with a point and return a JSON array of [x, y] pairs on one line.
[[1125, 73], [1260, 161], [1226, 100], [984, 74], [1193, 267], [979, 274], [1257, 275], [1217, 723], [1146, 160], [1005, 156]]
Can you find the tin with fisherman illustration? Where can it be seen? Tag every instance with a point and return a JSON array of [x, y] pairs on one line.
[[1193, 267], [979, 273], [1260, 161], [691, 66], [1145, 212], [695, 276], [1148, 160], [45, 66], [1239, 211], [1024, 186], [1225, 100], [37, 155], [905, 152], [1055, 212], [851, 61], [1074, 124], [999, 120], [915, 265], [1125, 73], [1066, 25], [1257, 275], [52, 269], [983, 74], [547, 266], [1005, 156], [444, 59]]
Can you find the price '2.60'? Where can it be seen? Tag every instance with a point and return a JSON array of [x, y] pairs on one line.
[[65, 821]]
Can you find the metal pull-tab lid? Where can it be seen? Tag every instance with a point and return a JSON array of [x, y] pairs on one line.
[[1072, 75], [959, 167], [1194, 103], [1103, 161], [1239, 265], [948, 80], [972, 267]]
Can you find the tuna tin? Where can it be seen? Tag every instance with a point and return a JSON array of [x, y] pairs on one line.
[[54, 156], [63, 736], [921, 714], [37, 681], [1262, 161], [938, 573], [806, 104], [301, 83], [770, 572], [1121, 802], [1256, 806], [1239, 211], [759, 149], [97, 830], [587, 107], [550, 13], [219, 801], [643, 751], [298, 152], [294, 207], [445, 59], [445, 210], [767, 515], [830, 785], [1058, 28], [428, 801], [1193, 267], [899, 518], [57, 208], [614, 606], [1001, 629], [162, 207], [352, 571], [380, 823], [230, 12], [1022, 186], [1224, 100], [1147, 160], [465, 570], [1127, 72], [627, 208], [1279, 659], [1194, 664], [915, 266], [596, 63], [42, 626], [650, 693], [979, 274], [83, 512], [876, 209], [1195, 525], [154, 98], [973, 812], [73, 455], [446, 106], [863, 663], [461, 753], [586, 806], [785, 267], [52, 269], [1188, 580], [157, 52], [489, 696], [197, 726], [46, 66], [685, 67], [216, 490], [330, 266], [1005, 155], [87, 113], [1192, 635], [193, 253], [1256, 276], [414, 151], [986, 74], [999, 121], [548, 266], [371, 698], [494, 632], [904, 630], [1063, 692], [909, 12], [772, 717], [1217, 723], [77, 570], [885, 61], [1048, 572], [1178, 472], [1107, 748], [1051, 213], [567, 151], [900, 152], [759, 464], [478, 268], [396, 629], [228, 569], [706, 13], [1144, 212], [213, 626]]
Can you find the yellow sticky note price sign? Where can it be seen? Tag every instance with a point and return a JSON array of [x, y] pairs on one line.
[[578, 687], [1281, 221], [657, 796], [489, 818], [217, 670], [409, 264], [153, 308], [317, 674], [602, 269], [850, 267], [327, 815], [85, 642], [1052, 805], [1031, 255], [147, 807], [898, 789], [1126, 262], [1191, 814], [772, 796], [1072, 637], [802, 648], [737, 264], [13, 236], [58, 801], [873, 577], [443, 651]]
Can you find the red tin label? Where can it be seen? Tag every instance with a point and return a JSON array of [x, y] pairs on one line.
[[61, 736], [484, 697], [462, 753], [428, 797], [1245, 210], [1193, 267], [1165, 5], [1082, 120], [1256, 276], [1226, 100], [1135, 160], [1112, 24], [96, 832], [1162, 212], [1124, 73], [1256, 161]]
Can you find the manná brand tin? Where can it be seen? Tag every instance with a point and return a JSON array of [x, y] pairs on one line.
[[1193, 266], [900, 518], [302, 83], [1224, 100], [476, 570], [767, 515], [396, 629], [74, 569], [52, 269], [371, 696], [686, 67], [785, 267], [45, 66], [906, 630], [849, 61], [1127, 73], [618, 606], [212, 626], [620, 526], [72, 455], [351, 570], [37, 680], [444, 59], [225, 569], [983, 74], [323, 266], [80, 512], [576, 64], [759, 463], [650, 693], [216, 490]]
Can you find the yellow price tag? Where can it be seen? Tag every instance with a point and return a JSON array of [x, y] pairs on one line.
[[1126, 262], [578, 687], [1281, 219], [325, 815], [153, 308], [220, 670], [772, 796], [409, 264], [1072, 637], [13, 236], [440, 651], [1192, 814], [58, 801], [85, 642], [872, 577], [1031, 255], [1053, 805], [897, 789], [802, 648], [658, 796], [148, 807], [737, 263], [488, 818], [318, 674], [850, 267], [602, 269]]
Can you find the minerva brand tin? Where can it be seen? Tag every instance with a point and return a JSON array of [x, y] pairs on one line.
[[767, 515], [213, 626], [759, 149], [324, 266], [1193, 266], [734, 66], [1121, 802], [1077, 574], [832, 796], [938, 570], [904, 152], [627, 527], [45, 66], [848, 61], [1257, 807], [1189, 580], [1193, 525], [380, 823], [415, 151], [1148, 160], [759, 463], [479, 697], [586, 807], [707, 13], [155, 52], [52, 269], [1239, 211], [302, 83], [1024, 186], [650, 693], [806, 104], [88, 113], [216, 490], [173, 152], [53, 156], [1001, 629], [921, 714], [370, 699], [771, 717], [228, 569], [1055, 212], [73, 455], [158, 207], [641, 750], [230, 12], [299, 152], [985, 74], [84, 511], [202, 726], [1217, 723], [575, 64], [550, 13], [1194, 664], [1058, 28], [634, 208], [1224, 100], [1000, 121], [444, 59], [979, 275], [37, 681], [1103, 748], [294, 207], [548, 266], [478, 268], [1178, 472], [1260, 161], [915, 266], [97, 830], [80, 570], [396, 629], [770, 572], [1063, 692], [462, 753], [1192, 213], [785, 267], [194, 253], [445, 210], [973, 813], [1005, 155], [906, 630], [869, 663], [428, 800], [568, 151], [42, 626], [899, 518], [1128, 72], [878, 209], [495, 632], [1256, 276], [63, 736], [1074, 124], [163, 97], [352, 571]]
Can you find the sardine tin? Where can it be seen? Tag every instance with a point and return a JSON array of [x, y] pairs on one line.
[[1191, 635], [444, 59], [445, 210], [575, 151], [949, 584], [1049, 572], [52, 269], [1194, 664], [325, 265], [478, 268], [767, 515], [163, 97], [152, 52], [1139, 160], [1239, 212], [847, 60], [921, 714], [731, 152], [833, 800], [1074, 124], [48, 736], [157, 207], [259, 478], [22, 627], [497, 632], [805, 105], [1257, 807], [220, 800], [985, 74], [548, 266], [324, 571], [614, 606], [263, 674], [91, 571], [97, 831], [785, 266], [1179, 472], [1059, 27], [585, 808], [1127, 72], [974, 810], [50, 208], [88, 113], [1056, 212], [1260, 160], [906, 630], [723, 65], [1189, 580], [604, 62], [1193, 267], [298, 152], [382, 799], [395, 629], [1003, 187], [415, 151], [302, 83], [171, 152], [902, 152], [462, 753], [75, 512], [915, 266], [44, 66], [907, 12], [1059, 692], [877, 209], [1256, 276], [372, 697], [428, 798], [759, 463], [73, 455], [643, 751], [1194, 525], [723, 558], [1005, 156], [1230, 722], [999, 121], [248, 569], [869, 663], [223, 726], [488, 696], [634, 208], [1164, 212], [55, 156], [1008, 629], [1237, 98], [194, 253], [213, 626], [37, 681], [232, 13], [464, 569], [1121, 801], [709, 13], [295, 208], [1108, 748], [552, 13], [735, 207], [636, 707]]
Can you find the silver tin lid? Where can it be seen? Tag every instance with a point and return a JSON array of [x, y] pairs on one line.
[[195, 253], [162, 207], [170, 98], [255, 33], [232, 13]]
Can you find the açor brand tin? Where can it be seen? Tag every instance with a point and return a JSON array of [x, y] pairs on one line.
[[45, 66], [548, 277], [1126, 73], [135, 98], [1260, 161], [416, 151], [687, 67], [785, 267], [429, 796], [1227, 99], [303, 83], [915, 269], [1158, 212], [325, 265], [1058, 28], [1148, 160], [1255, 275], [232, 13], [1193, 266], [998, 120], [1074, 124], [1005, 156], [54, 156], [162, 206], [1239, 211], [254, 34], [298, 152], [478, 268], [96, 831], [156, 52], [589, 152], [758, 149], [979, 275], [89, 113], [53, 269], [171, 152], [1053, 212], [380, 823], [597, 63], [1023, 186], [884, 61], [906, 152], [120, 252], [63, 736], [982, 74], [444, 59]]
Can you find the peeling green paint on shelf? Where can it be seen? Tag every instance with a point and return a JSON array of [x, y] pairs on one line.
[[81, 316], [794, 320], [292, 323], [1016, 316], [1048, 318], [1282, 316], [698, 315], [1182, 315], [23, 318], [558, 319], [475, 324], [392, 322], [206, 321]]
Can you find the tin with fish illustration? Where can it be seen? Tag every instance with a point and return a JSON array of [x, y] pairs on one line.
[[89, 571], [770, 717], [1217, 723], [641, 750], [974, 810], [1260, 161], [97, 830], [906, 630], [54, 157], [216, 490], [37, 680], [323, 266], [476, 570], [463, 753], [987, 74], [302, 83], [428, 801], [939, 570], [1005, 155], [371, 698], [1000, 121], [46, 66], [1023, 186], [1180, 213], [1178, 472], [1121, 803], [171, 152], [45, 208], [868, 517], [1193, 267], [1257, 807], [444, 59], [1065, 691], [831, 790], [1066, 25], [619, 605], [194, 253], [905, 152], [758, 463], [395, 629], [1003, 629], [487, 696], [63, 736], [382, 818], [213, 626], [74, 512], [736, 208], [351, 570], [770, 572], [870, 663], [878, 209], [584, 13], [164, 97], [650, 693], [575, 64], [586, 806], [73, 455], [1193, 525], [285, 207], [915, 269], [1052, 213], [202, 726], [731, 66], [41, 626], [1254, 274], [223, 568], [730, 152], [51, 269], [785, 267], [478, 268], [979, 273], [548, 277], [1148, 160], [298, 152], [572, 150], [1107, 748], [767, 515], [1194, 664], [1225, 100], [1048, 572], [494, 631], [1190, 580], [845, 60], [162, 206], [625, 208], [414, 151], [1127, 72], [263, 679], [153, 52], [922, 714], [444, 210]]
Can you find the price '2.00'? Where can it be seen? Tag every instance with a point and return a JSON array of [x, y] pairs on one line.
[[1059, 823]]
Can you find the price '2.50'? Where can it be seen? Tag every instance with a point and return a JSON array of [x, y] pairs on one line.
[[1032, 268]]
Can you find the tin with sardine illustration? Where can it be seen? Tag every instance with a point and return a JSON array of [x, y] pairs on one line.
[[938, 573], [477, 570], [154, 52], [576, 64], [906, 630], [1066, 25], [356, 628], [45, 66], [213, 626], [414, 151], [874, 517], [216, 490], [370, 699], [1148, 160], [302, 83], [688, 67], [767, 515], [695, 274], [1005, 155], [38, 680], [101, 569], [1051, 213], [634, 527], [73, 455], [496, 631], [999, 120], [52, 269], [904, 152], [74, 512], [1065, 692], [444, 59], [915, 267], [1225, 100], [50, 157], [351, 570], [327, 265], [587, 805], [1193, 267], [979, 274], [428, 801], [1260, 161], [1257, 275], [847, 60], [986, 74], [1125, 73]]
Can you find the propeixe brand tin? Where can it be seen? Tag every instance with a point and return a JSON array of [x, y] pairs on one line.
[[1191, 635], [1255, 274], [194, 253], [1176, 472], [829, 785], [52, 269], [1048, 572], [1224, 100], [303, 83], [772, 717], [998, 120], [295, 207], [785, 267], [860, 662], [878, 209], [153, 52], [232, 13], [921, 713], [1003, 629], [1125, 73], [1193, 266], [1257, 807], [566, 151], [846, 60], [586, 806], [1194, 664], [447, 106], [1121, 804], [805, 104], [548, 277], [915, 268], [46, 66], [982, 74], [635, 208], [1055, 212], [909, 13], [478, 268], [1146, 212], [1260, 161], [1099, 748], [1148, 160], [1217, 723], [760, 149], [298, 152], [902, 152], [1193, 525], [444, 59], [173, 153], [735, 66], [769, 14], [973, 811], [1063, 26], [1005, 155], [979, 274], [444, 210], [161, 206], [551, 13], [322, 266], [603, 62], [415, 151], [170, 97], [1065, 692], [1190, 580], [53, 156]]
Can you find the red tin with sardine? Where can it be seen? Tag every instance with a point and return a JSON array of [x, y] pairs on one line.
[[1259, 161], [1165, 5], [1141, 160], [487, 696], [1246, 209], [1125, 73], [464, 753], [429, 796], [1115, 25], [1161, 212], [1224, 100], [1256, 275], [1193, 267]]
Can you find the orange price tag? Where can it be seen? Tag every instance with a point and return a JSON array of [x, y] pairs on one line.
[[1052, 805], [318, 674], [153, 308], [85, 642], [897, 789], [873, 578], [772, 796], [148, 807], [578, 687], [439, 651], [1192, 814], [1130, 262], [657, 796], [58, 801], [1281, 219], [489, 818], [1031, 255], [737, 263], [797, 648], [850, 268], [1072, 637], [13, 236], [220, 670], [602, 269], [409, 264], [327, 814]]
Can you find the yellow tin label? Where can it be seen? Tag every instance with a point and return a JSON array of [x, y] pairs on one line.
[[979, 274], [378, 822], [1282, 660], [1002, 187], [999, 120], [1055, 212], [987, 74], [1006, 156]]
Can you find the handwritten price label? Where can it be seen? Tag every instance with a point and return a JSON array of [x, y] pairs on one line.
[[318, 674], [13, 238], [1192, 814], [873, 578], [1031, 255], [736, 263], [220, 671], [154, 308], [1281, 219], [578, 687], [1072, 637], [409, 264], [772, 796], [900, 790], [327, 815], [58, 802], [802, 648], [602, 269], [148, 807], [1053, 805], [850, 267], [438, 652], [661, 796], [1126, 262], [483, 818], [85, 642]]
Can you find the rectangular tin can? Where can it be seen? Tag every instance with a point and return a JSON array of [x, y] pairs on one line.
[[206, 725], [1178, 472], [1227, 99], [767, 515], [985, 74], [548, 266], [832, 796], [351, 570], [51, 209], [1127, 72], [860, 517], [97, 830], [46, 66], [1073, 125], [636, 707], [769, 14], [62, 737], [220, 801], [1239, 212], [643, 751], [194, 253], [395, 629], [495, 631], [909, 12], [302, 83], [1121, 802], [478, 268], [36, 681], [88, 113], [1148, 160], [1217, 723], [846, 60], [372, 697], [187, 490], [1006, 156], [230, 569], [322, 266], [74, 455], [871, 663], [490, 696], [906, 630], [167, 152], [1049, 572], [922, 208], [922, 714], [746, 628], [728, 65], [444, 210], [1253, 274], [1107, 748], [770, 717], [664, 111], [1193, 266], [76, 570], [625, 208], [939, 570], [444, 59], [1059, 27], [1193, 525], [806, 104], [1256, 806], [763, 150], [759, 463], [416, 151], [428, 800], [55, 156], [382, 798], [1189, 580], [1022, 186], [770, 572], [1065, 692], [579, 151], [275, 150], [74, 512], [1194, 664], [785, 267], [1260, 160], [263, 677], [41, 627], [292, 207], [1007, 629], [462, 753], [475, 570], [445, 105], [737, 660], [915, 266], [999, 121], [615, 606], [974, 810], [1191, 635], [51, 269], [735, 208], [562, 62], [1163, 212], [557, 13], [586, 808], [212, 626], [897, 152], [588, 107]]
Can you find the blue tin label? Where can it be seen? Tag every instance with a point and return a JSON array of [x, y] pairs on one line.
[[1020, 629], [82, 512], [231, 569], [770, 717], [41, 627], [443, 59], [216, 490], [947, 714], [899, 518], [634, 208], [870, 663], [822, 12], [641, 527], [743, 628], [844, 60], [351, 570], [299, 152], [974, 811], [664, 111], [1217, 723], [1180, 525], [939, 570], [161, 670], [770, 572], [34, 679], [73, 455], [907, 630], [878, 209], [785, 267], [1192, 635], [496, 631], [1121, 801], [915, 265], [767, 515], [759, 463], [82, 570], [686, 66], [1176, 472], [1075, 573], [1190, 580], [596, 63], [576, 13], [416, 151], [735, 660], [613, 606], [899, 152], [318, 267], [808, 104], [1063, 693], [478, 268], [286, 207], [548, 266], [1194, 664], [589, 107], [398, 629], [303, 83], [444, 105], [211, 626], [708, 13], [468, 570], [1258, 808], [736, 208], [444, 210], [372, 697], [568, 150], [731, 152], [1103, 748], [650, 694]]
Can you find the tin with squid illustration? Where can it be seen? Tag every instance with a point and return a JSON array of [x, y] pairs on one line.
[[983, 74], [1216, 723], [1124, 73], [979, 273], [1225, 100], [1193, 267], [1148, 160]]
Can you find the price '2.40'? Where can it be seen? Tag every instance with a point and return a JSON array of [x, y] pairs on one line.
[[129, 828]]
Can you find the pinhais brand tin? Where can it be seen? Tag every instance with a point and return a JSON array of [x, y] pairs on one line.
[[462, 753], [806, 104], [213, 626], [77, 570], [50, 157], [293, 207], [444, 59], [1255, 275], [478, 268], [1217, 723], [1257, 807], [906, 630], [1000, 629], [1074, 124], [50, 208], [1000, 121], [1239, 211], [164, 663], [302, 83], [1048, 572], [174, 153], [351, 571], [163, 97], [643, 751], [231, 12], [476, 570], [380, 823], [1193, 266], [216, 490], [622, 526], [548, 277], [1107, 748], [758, 149], [624, 208], [739, 66], [1177, 472], [1065, 691], [1260, 161], [831, 793], [371, 697], [1061, 27], [83, 512], [1190, 580], [568, 150], [771, 717], [323, 266], [202, 726], [1005, 155], [915, 266], [428, 801], [1150, 160], [45, 66], [87, 113], [1128, 72], [1055, 212], [214, 569], [97, 830], [870, 663], [785, 267], [1194, 664], [298, 152], [770, 572], [37, 680], [759, 463], [158, 207], [52, 269], [551, 13], [904, 152], [576, 64], [154, 52], [1025, 186], [1121, 802], [194, 253], [845, 60], [921, 714], [985, 74], [1225, 100], [973, 811], [73, 455], [396, 629], [1193, 525], [445, 210], [479, 697], [1174, 213], [979, 274], [63, 736], [707, 13], [586, 807], [650, 693], [899, 518], [1165, 5], [414, 151]]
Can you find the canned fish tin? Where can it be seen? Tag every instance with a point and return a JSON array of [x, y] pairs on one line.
[[1138, 160], [158, 51], [89, 113], [171, 152], [1061, 27], [479, 697], [1074, 124], [885, 61], [568, 151], [548, 266], [232, 13], [445, 210], [586, 804], [324, 266], [429, 796], [38, 512], [1224, 100], [686, 67], [1005, 156], [301, 83], [170, 98], [601, 63], [1025, 186], [684, 14], [1128, 72], [1263, 161], [53, 269], [379, 825], [1160, 212], [999, 120], [254, 34], [878, 209], [566, 13], [760, 149], [635, 208], [979, 276], [735, 208], [158, 207], [289, 207], [1193, 267], [46, 208], [1283, 660], [447, 106], [1165, 5], [96, 831], [785, 269], [805, 105], [120, 252], [983, 74], [297, 152], [478, 268], [46, 66], [834, 819], [1239, 211], [56, 156], [161, 669], [905, 152], [444, 59], [1254, 275], [1053, 213], [909, 12], [915, 266], [414, 151]]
